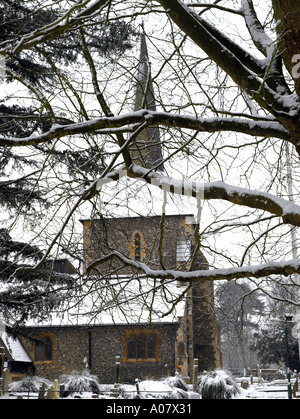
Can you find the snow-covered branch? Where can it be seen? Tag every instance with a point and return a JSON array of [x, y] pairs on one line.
[[256, 30], [251, 74], [207, 6], [286, 268], [289, 211], [128, 121]]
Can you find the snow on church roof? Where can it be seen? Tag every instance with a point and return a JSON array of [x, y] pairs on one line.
[[124, 301]]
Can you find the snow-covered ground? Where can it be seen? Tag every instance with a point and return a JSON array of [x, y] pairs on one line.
[[164, 390], [271, 391]]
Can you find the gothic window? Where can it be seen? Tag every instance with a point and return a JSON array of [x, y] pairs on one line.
[[137, 247], [141, 346], [44, 348]]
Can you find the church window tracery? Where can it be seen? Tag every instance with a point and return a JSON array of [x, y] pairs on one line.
[[137, 247], [141, 345]]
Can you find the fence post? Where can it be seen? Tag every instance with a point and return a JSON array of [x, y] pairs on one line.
[[2, 355], [260, 377], [42, 390], [55, 390], [61, 391], [195, 374], [50, 393], [5, 381], [296, 388], [138, 393], [118, 369]]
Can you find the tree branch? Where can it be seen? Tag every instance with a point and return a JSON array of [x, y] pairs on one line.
[[244, 69], [256, 30], [127, 121], [286, 268], [289, 211], [207, 6]]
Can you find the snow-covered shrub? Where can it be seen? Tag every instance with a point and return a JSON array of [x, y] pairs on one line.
[[177, 382], [218, 384], [30, 383], [79, 382], [179, 388]]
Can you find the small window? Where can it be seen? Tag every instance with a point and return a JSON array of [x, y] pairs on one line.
[[137, 247], [43, 349], [141, 346], [183, 251]]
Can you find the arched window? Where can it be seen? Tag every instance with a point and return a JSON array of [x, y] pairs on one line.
[[137, 247]]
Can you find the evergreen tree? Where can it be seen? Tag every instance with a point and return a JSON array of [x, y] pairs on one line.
[[270, 344], [238, 311], [25, 295]]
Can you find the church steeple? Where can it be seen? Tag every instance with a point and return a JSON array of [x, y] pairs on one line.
[[146, 150]]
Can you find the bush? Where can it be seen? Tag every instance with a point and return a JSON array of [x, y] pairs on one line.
[[79, 382], [177, 382], [218, 384], [30, 383]]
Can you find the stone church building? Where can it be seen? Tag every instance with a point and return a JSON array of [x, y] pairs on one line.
[[156, 327]]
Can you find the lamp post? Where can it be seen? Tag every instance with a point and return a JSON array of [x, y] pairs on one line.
[[288, 319]]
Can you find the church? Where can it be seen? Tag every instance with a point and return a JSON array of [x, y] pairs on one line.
[[157, 328]]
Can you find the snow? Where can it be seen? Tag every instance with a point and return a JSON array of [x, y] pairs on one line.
[[257, 32], [121, 304], [162, 390], [265, 391], [248, 197], [267, 128], [15, 348]]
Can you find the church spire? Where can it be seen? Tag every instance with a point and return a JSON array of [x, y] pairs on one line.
[[146, 150]]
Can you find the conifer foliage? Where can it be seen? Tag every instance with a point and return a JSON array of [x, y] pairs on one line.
[[35, 293]]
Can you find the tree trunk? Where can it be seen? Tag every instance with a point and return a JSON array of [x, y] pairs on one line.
[[288, 13]]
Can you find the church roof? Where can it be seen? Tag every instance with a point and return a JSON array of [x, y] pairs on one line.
[[125, 301], [13, 348]]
